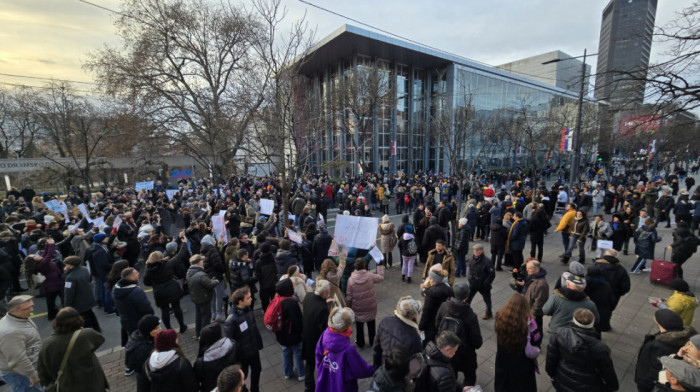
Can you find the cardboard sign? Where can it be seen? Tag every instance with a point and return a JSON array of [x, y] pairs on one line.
[[355, 231], [605, 244], [266, 206], [144, 185]]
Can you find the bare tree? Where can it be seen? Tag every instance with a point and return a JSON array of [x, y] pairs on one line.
[[189, 65], [19, 126]]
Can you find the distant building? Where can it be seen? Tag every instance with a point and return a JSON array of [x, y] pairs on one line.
[[562, 74], [625, 44]]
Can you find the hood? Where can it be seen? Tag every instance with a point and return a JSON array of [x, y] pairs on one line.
[[334, 342], [283, 254], [218, 350], [676, 338], [352, 252], [285, 288], [193, 270], [386, 228], [573, 295], [123, 288], [408, 236], [160, 360], [154, 267], [609, 259]]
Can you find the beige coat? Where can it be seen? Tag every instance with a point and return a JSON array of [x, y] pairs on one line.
[[388, 233]]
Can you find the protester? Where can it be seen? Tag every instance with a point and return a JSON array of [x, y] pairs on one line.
[[230, 379], [440, 352], [461, 247], [161, 274], [332, 273], [614, 273], [392, 375], [536, 290], [216, 352], [52, 287], [645, 239], [601, 293], [78, 293], [682, 301], [20, 346], [266, 274], [139, 348], [315, 314], [167, 369], [684, 245], [240, 327], [440, 255], [388, 239], [408, 248], [81, 370], [201, 291], [481, 275], [399, 330], [566, 299]]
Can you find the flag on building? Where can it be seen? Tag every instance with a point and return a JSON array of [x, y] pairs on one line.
[[567, 139], [393, 148]]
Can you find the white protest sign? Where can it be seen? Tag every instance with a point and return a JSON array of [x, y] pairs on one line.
[[266, 206], [376, 254], [83, 210], [117, 222], [355, 231], [217, 223], [98, 222], [170, 193], [222, 213], [64, 209], [144, 185], [53, 205], [294, 236], [604, 244]]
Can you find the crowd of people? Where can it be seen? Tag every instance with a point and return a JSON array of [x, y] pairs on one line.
[[210, 241]]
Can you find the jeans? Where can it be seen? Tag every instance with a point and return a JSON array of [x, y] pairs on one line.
[[20, 383], [202, 316], [639, 264], [565, 240], [217, 302], [407, 267], [288, 364], [360, 332], [461, 266], [573, 243], [596, 206], [103, 296]]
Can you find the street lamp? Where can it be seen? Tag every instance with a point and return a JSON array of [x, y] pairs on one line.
[[576, 142]]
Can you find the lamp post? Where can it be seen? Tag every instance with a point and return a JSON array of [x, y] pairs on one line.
[[576, 142]]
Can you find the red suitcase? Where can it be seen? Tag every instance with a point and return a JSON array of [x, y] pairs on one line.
[[662, 271]]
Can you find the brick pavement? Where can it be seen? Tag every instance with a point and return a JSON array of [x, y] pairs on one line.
[[632, 319]]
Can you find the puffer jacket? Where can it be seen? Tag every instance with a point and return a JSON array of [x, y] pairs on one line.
[[578, 361], [461, 245], [240, 326], [360, 296], [131, 304], [614, 273], [684, 245], [498, 234], [471, 335], [214, 266], [284, 259], [435, 296], [161, 276], [441, 377], [200, 284], [683, 304], [266, 271], [388, 239], [172, 373], [645, 239], [655, 346]]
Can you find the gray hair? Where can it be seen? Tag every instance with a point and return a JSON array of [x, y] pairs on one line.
[[535, 263], [341, 319], [408, 307], [322, 286]]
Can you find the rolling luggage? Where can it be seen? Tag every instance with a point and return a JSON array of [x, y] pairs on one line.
[[662, 271]]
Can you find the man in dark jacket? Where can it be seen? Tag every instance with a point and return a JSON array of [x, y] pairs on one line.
[[290, 335], [433, 233], [9, 243], [240, 326], [469, 333], [285, 258], [577, 360], [399, 330], [481, 275], [664, 206], [685, 243], [130, 300], [78, 293], [215, 267], [517, 235], [242, 272], [441, 377], [320, 246], [139, 348], [461, 247], [614, 273], [100, 261], [266, 274], [670, 338], [315, 322], [498, 238], [201, 292]]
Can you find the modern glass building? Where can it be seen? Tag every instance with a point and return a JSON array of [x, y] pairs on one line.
[[379, 101]]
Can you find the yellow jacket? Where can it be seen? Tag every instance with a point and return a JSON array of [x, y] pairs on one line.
[[684, 305], [565, 221]]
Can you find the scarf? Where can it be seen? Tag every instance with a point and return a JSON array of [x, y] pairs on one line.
[[345, 333], [407, 321]]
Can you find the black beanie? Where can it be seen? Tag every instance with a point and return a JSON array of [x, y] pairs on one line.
[[285, 288], [669, 319], [209, 335], [147, 324], [679, 284]]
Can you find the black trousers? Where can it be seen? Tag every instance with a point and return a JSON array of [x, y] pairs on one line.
[[486, 294], [165, 314], [360, 332], [537, 245], [253, 364], [266, 296], [51, 307]]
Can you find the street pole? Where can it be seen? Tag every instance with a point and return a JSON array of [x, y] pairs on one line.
[[576, 142]]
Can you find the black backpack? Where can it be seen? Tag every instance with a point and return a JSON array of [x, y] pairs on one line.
[[452, 324], [419, 372]]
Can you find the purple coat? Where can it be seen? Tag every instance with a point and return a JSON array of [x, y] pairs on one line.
[[338, 364], [54, 280]]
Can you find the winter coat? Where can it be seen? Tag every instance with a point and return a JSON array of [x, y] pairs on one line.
[[684, 305], [54, 280], [99, 260], [21, 344], [284, 259], [539, 223], [172, 373], [360, 296], [471, 335], [266, 271], [200, 284], [291, 332], [578, 361], [240, 326], [394, 331], [562, 305], [517, 236], [216, 358], [214, 266], [388, 239], [242, 274], [602, 295], [614, 273], [162, 277], [536, 291], [499, 235], [138, 349], [431, 235], [315, 316], [565, 222], [403, 244], [384, 383], [131, 304], [83, 371], [684, 245], [441, 377], [338, 364], [435, 296], [461, 245], [448, 264], [645, 239], [579, 227], [319, 248], [655, 346], [78, 291], [349, 269], [480, 273], [514, 371]]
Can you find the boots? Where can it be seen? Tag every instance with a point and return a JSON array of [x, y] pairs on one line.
[[408, 280], [403, 278]]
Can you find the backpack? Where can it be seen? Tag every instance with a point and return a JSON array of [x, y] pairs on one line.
[[418, 374], [452, 324], [412, 247], [273, 319]]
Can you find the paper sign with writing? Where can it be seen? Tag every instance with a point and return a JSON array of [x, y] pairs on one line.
[[355, 231], [376, 254], [266, 206], [144, 185], [99, 222], [217, 223], [294, 236], [170, 193], [83, 210], [53, 205], [604, 244]]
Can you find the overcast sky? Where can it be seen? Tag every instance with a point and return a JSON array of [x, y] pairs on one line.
[[50, 38]]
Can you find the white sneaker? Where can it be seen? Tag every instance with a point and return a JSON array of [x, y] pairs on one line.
[[646, 270], [302, 378]]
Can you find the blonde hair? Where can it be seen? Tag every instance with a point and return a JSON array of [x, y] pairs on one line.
[[154, 257]]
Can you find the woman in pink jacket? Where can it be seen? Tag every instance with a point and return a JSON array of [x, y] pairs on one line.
[[361, 298]]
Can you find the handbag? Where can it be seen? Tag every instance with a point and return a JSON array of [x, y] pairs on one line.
[[65, 358], [38, 279], [531, 351]]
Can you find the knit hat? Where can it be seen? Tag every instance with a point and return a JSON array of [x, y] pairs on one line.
[[463, 221], [679, 284], [147, 324], [686, 374], [171, 247], [461, 291], [577, 268], [98, 237], [669, 319], [341, 319], [166, 340], [208, 239], [209, 335], [435, 276]]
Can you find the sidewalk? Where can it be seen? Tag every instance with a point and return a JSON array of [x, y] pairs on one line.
[[631, 321]]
